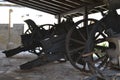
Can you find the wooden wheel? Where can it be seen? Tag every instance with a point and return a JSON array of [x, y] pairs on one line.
[[28, 31], [46, 26], [75, 46], [45, 31]]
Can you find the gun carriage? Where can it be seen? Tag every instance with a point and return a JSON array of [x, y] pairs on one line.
[[90, 45], [45, 43], [31, 39]]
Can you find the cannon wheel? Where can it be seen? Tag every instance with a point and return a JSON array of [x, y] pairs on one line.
[[75, 45], [44, 26], [39, 50]]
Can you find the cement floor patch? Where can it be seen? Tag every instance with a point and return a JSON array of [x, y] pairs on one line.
[[9, 69]]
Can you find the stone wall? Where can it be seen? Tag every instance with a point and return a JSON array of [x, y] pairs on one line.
[[13, 40]]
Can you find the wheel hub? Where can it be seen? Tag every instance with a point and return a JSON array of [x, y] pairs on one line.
[[114, 51]]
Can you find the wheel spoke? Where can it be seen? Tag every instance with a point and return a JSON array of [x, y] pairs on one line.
[[97, 55], [99, 59], [76, 50], [84, 65], [78, 58], [83, 37], [97, 36], [104, 36], [103, 62], [100, 41], [77, 41]]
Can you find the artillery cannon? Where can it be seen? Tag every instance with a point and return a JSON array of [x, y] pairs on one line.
[[43, 42], [89, 43], [53, 45], [31, 39]]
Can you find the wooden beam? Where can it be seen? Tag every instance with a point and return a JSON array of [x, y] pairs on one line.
[[76, 2], [40, 6], [49, 2], [37, 2], [64, 3], [79, 10], [33, 7], [89, 1]]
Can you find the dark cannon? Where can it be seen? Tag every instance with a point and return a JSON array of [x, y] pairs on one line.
[[90, 45], [31, 39], [53, 46], [42, 42]]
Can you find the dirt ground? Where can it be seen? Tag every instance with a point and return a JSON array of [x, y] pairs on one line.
[[9, 69]]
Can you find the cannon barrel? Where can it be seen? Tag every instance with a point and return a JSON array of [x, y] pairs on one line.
[[17, 50]]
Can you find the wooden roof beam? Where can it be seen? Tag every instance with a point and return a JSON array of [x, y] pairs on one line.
[[46, 5], [65, 3], [76, 2], [80, 10], [34, 7], [38, 5], [88, 1], [49, 2]]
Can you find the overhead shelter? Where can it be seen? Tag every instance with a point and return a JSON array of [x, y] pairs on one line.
[[61, 8]]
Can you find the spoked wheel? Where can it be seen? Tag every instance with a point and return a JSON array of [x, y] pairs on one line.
[[28, 31], [47, 28], [37, 50], [75, 45]]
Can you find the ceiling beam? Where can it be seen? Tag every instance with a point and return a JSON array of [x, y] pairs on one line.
[[38, 5], [74, 2], [49, 2], [80, 10], [89, 1], [33, 7], [65, 3], [37, 2]]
